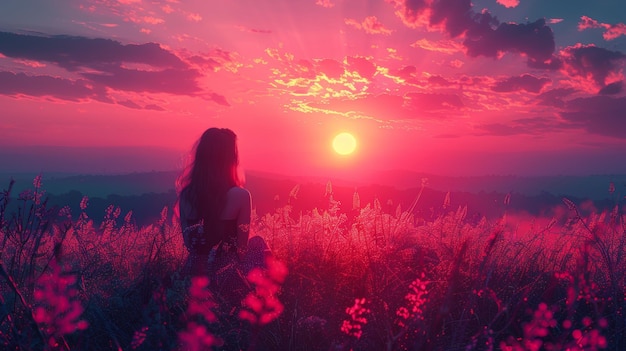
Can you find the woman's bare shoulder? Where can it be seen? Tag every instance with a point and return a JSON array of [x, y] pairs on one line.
[[238, 193]]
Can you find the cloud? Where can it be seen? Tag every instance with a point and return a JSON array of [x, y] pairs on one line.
[[394, 107], [154, 107], [370, 25], [204, 62], [364, 67], [382, 106], [172, 81], [508, 3], [72, 53], [434, 102], [613, 88], [524, 126], [588, 22], [13, 84], [612, 31], [592, 62], [602, 115], [443, 46], [324, 3], [254, 30], [408, 74], [483, 34], [526, 82], [534, 40], [439, 80], [103, 64], [555, 97], [130, 104], [331, 68], [219, 99], [194, 17]]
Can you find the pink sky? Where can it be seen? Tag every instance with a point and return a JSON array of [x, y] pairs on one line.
[[440, 86]]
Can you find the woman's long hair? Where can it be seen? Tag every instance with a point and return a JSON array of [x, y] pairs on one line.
[[210, 174]]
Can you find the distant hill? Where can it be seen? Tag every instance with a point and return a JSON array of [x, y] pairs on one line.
[[147, 193], [592, 187]]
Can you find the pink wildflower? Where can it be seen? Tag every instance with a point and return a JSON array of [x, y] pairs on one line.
[[262, 305], [358, 318]]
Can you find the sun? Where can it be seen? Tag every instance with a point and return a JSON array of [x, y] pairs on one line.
[[344, 143]]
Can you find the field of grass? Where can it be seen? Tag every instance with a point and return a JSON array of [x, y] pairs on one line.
[[366, 279]]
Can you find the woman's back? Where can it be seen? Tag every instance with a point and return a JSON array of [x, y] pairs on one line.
[[231, 227]]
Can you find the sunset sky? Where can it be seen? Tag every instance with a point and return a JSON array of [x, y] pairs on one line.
[[440, 86]]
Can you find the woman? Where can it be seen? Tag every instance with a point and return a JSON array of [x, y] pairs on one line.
[[214, 212]]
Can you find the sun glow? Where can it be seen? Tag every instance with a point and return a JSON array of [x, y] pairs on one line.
[[344, 143]]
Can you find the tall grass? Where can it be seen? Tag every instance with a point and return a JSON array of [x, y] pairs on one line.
[[365, 279]]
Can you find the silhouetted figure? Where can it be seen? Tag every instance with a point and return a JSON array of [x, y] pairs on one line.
[[214, 212]]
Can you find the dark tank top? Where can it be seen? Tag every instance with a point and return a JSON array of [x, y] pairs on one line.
[[201, 242]]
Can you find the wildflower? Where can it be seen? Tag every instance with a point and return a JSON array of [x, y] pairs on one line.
[[139, 337], [26, 195], [293, 194], [416, 298], [329, 189], [57, 310], [356, 201], [358, 318], [195, 336], [84, 202], [569, 204], [200, 299], [65, 212], [128, 217], [163, 217], [37, 182], [261, 305], [446, 201], [534, 331]]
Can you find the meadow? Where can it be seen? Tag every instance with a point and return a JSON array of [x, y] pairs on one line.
[[374, 277]]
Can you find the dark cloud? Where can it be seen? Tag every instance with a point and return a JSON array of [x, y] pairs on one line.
[[602, 115], [21, 84], [555, 97], [484, 34], [154, 107], [204, 62], [524, 126], [173, 81], [220, 99], [613, 88], [130, 104], [103, 63], [535, 40], [72, 52], [406, 73], [592, 62], [524, 82], [439, 80], [455, 15]]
